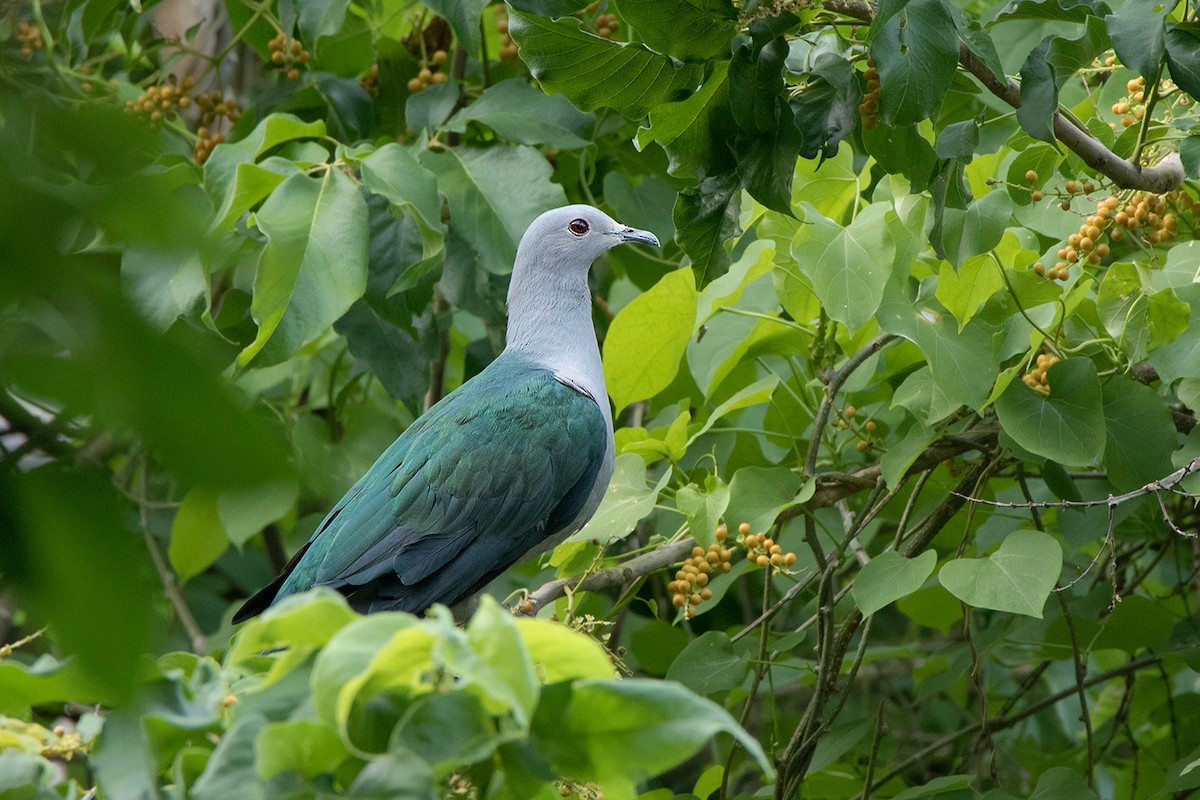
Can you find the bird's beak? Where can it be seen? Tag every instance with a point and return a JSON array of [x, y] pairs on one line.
[[634, 235]]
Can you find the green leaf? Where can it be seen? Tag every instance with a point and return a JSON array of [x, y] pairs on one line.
[[1183, 56], [939, 785], [1123, 305], [399, 774], [1068, 425], [888, 577], [220, 170], [304, 621], [1189, 155], [313, 267], [709, 664], [562, 654], [197, 536], [706, 219], [962, 361], [962, 291], [703, 510], [252, 183], [848, 267], [1184, 774], [1016, 578], [758, 494], [494, 193], [1062, 783], [659, 22], [300, 746], [1181, 357], [508, 668], [693, 132], [1053, 10], [163, 286], [629, 499], [1047, 68], [395, 173], [1138, 34], [621, 732], [1042, 159], [594, 72], [976, 229], [758, 392], [647, 339], [319, 19], [1140, 434], [916, 51], [901, 455], [520, 113], [246, 511]]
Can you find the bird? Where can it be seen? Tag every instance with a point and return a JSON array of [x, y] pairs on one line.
[[507, 465]]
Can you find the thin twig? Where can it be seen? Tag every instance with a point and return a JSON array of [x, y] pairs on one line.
[[167, 577]]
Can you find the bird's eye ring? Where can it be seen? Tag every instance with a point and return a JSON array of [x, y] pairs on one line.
[[579, 227]]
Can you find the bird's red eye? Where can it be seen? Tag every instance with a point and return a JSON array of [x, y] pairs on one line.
[[578, 227]]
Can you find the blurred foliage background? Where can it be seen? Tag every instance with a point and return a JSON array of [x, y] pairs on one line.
[[905, 493]]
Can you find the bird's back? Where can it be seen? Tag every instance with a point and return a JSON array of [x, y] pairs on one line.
[[510, 462]]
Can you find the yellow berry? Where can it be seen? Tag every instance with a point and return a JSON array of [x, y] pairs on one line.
[[1031, 176]]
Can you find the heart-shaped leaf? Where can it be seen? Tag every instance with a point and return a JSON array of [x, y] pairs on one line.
[[890, 576], [1017, 578]]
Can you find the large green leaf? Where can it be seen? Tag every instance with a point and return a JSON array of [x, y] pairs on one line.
[[629, 499], [710, 664], [758, 494], [694, 132], [1047, 68], [197, 536], [594, 72], [618, 733], [916, 51], [494, 193], [962, 291], [647, 339], [962, 361], [520, 113], [1066, 426], [1183, 56], [658, 23], [1140, 434], [888, 577], [974, 230], [221, 168], [848, 267], [1016, 578], [313, 267], [706, 219], [1138, 34]]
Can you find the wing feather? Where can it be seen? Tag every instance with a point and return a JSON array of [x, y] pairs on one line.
[[500, 465]]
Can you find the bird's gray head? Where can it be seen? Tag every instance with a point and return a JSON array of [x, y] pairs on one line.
[[576, 235]]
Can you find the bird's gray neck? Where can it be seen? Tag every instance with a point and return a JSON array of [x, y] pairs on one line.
[[550, 324]]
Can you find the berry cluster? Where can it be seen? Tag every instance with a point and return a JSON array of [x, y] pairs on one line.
[[287, 53], [1132, 109], [162, 101], [869, 108], [607, 25], [762, 550], [213, 106], [29, 37], [690, 587], [1036, 378], [508, 48], [428, 75]]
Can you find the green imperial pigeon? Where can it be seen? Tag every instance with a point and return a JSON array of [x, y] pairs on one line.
[[508, 464]]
